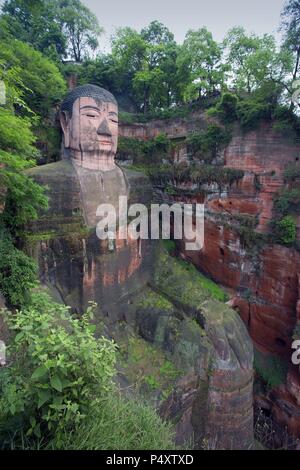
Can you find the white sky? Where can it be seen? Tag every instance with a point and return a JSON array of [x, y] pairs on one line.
[[260, 16]]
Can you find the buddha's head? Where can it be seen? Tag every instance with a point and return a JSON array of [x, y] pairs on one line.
[[89, 119]]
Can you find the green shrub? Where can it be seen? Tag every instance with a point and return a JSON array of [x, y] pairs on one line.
[[57, 372], [166, 175], [251, 112], [17, 272], [119, 424], [286, 122], [287, 200], [260, 105], [22, 67], [16, 134], [170, 246], [271, 369], [226, 109], [286, 230], [205, 145], [147, 152], [292, 173], [209, 174]]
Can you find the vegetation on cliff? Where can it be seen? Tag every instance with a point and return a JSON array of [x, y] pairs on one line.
[[60, 382], [199, 175]]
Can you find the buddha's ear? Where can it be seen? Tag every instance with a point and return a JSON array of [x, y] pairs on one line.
[[65, 124]]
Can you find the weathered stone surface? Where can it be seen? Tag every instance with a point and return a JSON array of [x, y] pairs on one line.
[[173, 128], [72, 260], [218, 387], [204, 338], [264, 278]]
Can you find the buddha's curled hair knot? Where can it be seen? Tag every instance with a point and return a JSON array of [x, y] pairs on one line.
[[88, 91]]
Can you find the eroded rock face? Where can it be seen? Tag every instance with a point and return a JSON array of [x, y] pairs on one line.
[[264, 278], [212, 400], [173, 128]]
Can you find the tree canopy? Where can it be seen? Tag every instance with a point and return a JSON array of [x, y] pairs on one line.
[[60, 29]]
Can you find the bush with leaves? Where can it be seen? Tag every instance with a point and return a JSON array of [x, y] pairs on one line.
[[57, 369], [174, 175], [25, 68], [226, 109], [286, 230], [287, 200], [17, 272], [144, 152], [257, 106], [24, 196], [206, 144]]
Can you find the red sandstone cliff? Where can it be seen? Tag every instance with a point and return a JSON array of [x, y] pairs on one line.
[[267, 275], [263, 278]]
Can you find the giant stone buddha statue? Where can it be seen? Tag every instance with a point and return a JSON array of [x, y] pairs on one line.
[[73, 262]]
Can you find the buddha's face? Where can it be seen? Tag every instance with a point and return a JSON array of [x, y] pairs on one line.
[[92, 129]]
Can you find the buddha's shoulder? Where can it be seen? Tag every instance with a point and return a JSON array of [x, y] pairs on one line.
[[140, 187], [135, 175], [52, 171]]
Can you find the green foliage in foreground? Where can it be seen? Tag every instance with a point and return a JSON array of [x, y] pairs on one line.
[[17, 272], [57, 391], [58, 369], [119, 424], [271, 369]]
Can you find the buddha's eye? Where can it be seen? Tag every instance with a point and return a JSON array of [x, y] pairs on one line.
[[114, 121], [91, 115]]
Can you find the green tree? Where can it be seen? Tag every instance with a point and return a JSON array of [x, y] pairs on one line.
[[161, 64], [128, 53], [20, 67], [36, 22], [81, 28], [28, 74], [58, 28], [18, 272], [254, 60], [291, 27], [147, 63], [157, 33], [286, 230], [202, 55]]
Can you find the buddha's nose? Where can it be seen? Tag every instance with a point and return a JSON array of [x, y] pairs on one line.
[[103, 129]]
